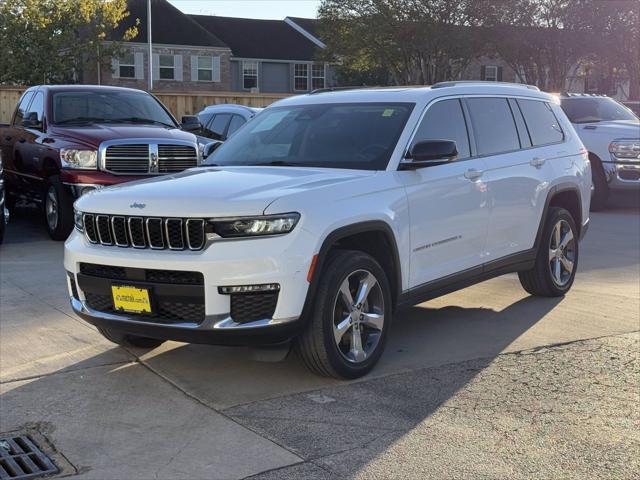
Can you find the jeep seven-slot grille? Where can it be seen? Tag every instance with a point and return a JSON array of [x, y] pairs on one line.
[[142, 158], [145, 232]]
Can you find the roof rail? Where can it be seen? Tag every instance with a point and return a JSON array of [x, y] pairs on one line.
[[337, 89], [569, 94], [454, 83]]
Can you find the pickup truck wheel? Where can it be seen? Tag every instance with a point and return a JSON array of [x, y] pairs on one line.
[[58, 209], [129, 340], [600, 188], [557, 258], [347, 331]]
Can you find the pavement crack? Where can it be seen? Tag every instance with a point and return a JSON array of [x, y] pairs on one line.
[[63, 371]]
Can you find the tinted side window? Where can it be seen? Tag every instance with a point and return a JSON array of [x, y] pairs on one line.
[[236, 122], [216, 128], [21, 111], [204, 118], [542, 123], [493, 125], [37, 105], [523, 133], [445, 121]]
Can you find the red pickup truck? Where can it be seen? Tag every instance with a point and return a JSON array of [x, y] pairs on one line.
[[65, 140]]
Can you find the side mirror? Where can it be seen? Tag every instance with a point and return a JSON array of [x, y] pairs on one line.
[[31, 121], [209, 148], [430, 153], [191, 123]]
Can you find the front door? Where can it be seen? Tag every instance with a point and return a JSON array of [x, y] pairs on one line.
[[448, 205]]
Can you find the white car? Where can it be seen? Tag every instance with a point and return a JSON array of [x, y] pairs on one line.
[[329, 211], [611, 133]]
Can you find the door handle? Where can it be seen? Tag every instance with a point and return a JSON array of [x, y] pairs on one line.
[[473, 174], [537, 162]]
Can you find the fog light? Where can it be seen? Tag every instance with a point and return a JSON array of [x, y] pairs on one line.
[[267, 287]]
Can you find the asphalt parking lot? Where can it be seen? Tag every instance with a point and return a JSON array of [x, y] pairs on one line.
[[483, 383]]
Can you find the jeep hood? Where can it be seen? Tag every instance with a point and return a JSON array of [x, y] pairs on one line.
[[94, 134], [212, 191]]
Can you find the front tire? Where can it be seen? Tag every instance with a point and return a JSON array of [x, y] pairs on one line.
[[347, 331], [557, 258], [58, 209], [126, 340]]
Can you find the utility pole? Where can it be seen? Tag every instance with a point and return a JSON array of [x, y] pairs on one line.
[[150, 45]]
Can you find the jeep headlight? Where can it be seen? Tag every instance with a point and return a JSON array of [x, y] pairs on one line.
[[80, 159], [78, 220], [625, 149], [253, 226]]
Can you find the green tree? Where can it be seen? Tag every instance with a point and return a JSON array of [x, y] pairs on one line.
[[53, 41]]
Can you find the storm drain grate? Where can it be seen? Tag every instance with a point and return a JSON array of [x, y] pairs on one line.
[[20, 458]]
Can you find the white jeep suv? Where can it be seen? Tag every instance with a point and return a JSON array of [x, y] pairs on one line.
[[611, 134], [328, 212]]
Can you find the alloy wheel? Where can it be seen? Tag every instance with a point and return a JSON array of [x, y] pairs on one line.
[[562, 253], [51, 208], [358, 316]]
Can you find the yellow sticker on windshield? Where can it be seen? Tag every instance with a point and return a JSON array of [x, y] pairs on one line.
[[387, 113]]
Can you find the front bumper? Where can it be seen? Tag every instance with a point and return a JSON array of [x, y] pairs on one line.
[[282, 260], [622, 176]]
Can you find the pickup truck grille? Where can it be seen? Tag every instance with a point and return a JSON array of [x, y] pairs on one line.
[[152, 158], [145, 232]]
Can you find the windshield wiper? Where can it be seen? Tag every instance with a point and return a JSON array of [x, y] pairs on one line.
[[142, 120], [81, 120], [274, 163]]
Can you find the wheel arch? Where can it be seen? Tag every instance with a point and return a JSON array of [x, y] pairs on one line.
[[567, 196], [375, 238]]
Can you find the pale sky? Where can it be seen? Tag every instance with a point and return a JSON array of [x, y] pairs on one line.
[[274, 9]]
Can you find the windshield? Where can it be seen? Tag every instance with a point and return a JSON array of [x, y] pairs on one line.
[[108, 107], [356, 136], [597, 109]]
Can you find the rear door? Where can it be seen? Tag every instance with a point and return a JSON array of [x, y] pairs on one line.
[[447, 203], [516, 173]]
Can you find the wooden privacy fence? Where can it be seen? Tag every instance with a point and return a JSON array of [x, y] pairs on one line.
[[179, 103]]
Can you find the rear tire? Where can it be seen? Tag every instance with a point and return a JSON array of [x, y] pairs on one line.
[[58, 209], [600, 188], [127, 340], [347, 330], [557, 257]]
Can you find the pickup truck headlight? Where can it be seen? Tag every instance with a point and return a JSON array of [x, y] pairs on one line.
[[625, 149], [78, 220], [80, 159], [253, 226]]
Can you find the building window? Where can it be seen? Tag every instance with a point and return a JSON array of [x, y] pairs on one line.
[[317, 76], [205, 69], [167, 67], [249, 75], [127, 66], [301, 76], [491, 73]]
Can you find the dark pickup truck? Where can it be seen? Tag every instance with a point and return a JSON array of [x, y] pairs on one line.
[[66, 140]]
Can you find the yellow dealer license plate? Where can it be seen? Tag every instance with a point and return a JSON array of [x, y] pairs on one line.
[[131, 299]]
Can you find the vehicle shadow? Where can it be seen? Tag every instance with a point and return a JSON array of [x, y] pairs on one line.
[[279, 400]]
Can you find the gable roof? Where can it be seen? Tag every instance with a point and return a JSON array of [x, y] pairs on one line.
[[169, 26], [309, 24], [253, 38]]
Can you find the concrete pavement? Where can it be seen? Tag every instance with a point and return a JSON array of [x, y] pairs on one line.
[[211, 412]]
